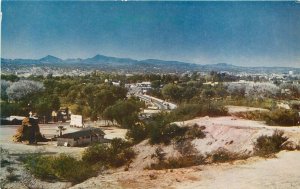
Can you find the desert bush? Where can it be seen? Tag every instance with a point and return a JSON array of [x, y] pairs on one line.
[[195, 132], [160, 130], [165, 133], [189, 157], [137, 133], [171, 132], [223, 155], [267, 145], [178, 162], [267, 103], [185, 147], [115, 154], [160, 154], [282, 117], [96, 153], [62, 167], [188, 111]]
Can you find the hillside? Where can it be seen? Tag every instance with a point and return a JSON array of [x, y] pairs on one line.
[[107, 63]]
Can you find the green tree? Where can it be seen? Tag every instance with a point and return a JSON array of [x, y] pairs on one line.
[[124, 112], [173, 92]]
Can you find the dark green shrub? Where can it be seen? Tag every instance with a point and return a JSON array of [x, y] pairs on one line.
[[267, 145], [195, 132], [97, 153], [180, 162], [223, 155], [185, 147], [68, 168], [40, 166], [165, 133], [189, 157], [62, 167], [282, 117], [115, 154], [189, 111], [137, 133], [8, 109]]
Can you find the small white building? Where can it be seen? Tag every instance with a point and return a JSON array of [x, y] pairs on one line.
[[116, 83]]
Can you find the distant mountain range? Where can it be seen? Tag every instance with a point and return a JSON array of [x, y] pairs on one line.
[[107, 63]]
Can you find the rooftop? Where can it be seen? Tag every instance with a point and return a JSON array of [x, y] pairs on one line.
[[84, 132]]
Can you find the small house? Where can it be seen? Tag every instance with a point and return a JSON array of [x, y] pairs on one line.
[[83, 137]]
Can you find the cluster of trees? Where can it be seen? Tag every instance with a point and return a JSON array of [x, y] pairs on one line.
[[88, 95], [125, 113], [91, 100], [189, 111], [263, 90], [22, 96], [253, 90], [192, 92], [93, 97]]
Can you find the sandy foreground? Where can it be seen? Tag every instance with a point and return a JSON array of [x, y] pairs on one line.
[[281, 173], [232, 133]]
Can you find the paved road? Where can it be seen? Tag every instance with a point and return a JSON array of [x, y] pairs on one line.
[[157, 103], [161, 104]]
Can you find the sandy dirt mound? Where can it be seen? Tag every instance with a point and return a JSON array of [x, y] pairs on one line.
[[140, 179], [235, 134], [281, 172], [254, 173]]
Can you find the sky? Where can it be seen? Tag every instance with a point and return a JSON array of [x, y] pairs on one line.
[[239, 33]]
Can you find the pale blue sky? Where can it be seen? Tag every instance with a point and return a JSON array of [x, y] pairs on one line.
[[240, 33]]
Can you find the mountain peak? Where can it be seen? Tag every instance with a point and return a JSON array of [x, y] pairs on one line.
[[98, 56], [223, 64], [50, 59]]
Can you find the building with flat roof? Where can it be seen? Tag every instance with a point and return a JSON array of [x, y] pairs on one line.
[[83, 137]]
